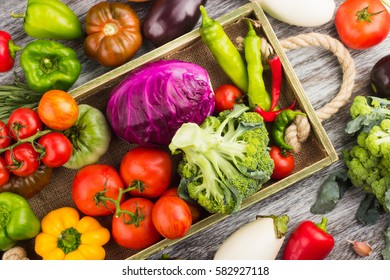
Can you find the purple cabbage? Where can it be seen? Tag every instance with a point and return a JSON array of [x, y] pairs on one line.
[[153, 101]]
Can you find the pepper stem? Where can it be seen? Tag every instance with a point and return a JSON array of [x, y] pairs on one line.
[[251, 30], [322, 224], [69, 240], [13, 48], [18, 15]]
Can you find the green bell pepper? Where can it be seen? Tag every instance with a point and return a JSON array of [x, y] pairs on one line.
[[50, 19], [17, 220], [49, 65]]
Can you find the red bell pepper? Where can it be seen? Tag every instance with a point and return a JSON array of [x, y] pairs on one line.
[[309, 241], [7, 51]]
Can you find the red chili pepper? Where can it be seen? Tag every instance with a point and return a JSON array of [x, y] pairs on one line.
[[7, 51], [270, 116], [309, 241], [276, 71]]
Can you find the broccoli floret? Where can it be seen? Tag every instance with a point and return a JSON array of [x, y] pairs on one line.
[[225, 159], [368, 162], [378, 139], [367, 112]]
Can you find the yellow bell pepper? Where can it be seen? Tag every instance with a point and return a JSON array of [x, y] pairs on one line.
[[65, 236]]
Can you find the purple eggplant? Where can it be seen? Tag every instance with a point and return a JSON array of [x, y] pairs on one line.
[[169, 19], [380, 77]]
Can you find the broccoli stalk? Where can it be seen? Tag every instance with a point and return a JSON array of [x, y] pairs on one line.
[[225, 159]]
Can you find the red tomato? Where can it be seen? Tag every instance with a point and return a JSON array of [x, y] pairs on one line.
[[92, 180], [4, 172], [196, 209], [151, 167], [171, 217], [5, 138], [284, 163], [226, 96], [132, 235], [362, 24], [57, 149], [58, 109], [23, 123], [22, 160]]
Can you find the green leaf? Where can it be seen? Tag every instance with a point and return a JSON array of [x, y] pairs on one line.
[[331, 190], [386, 250], [369, 210]]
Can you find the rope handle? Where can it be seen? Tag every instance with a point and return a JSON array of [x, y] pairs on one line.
[[299, 130]]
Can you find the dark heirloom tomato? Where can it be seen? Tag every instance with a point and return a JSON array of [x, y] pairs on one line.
[[169, 19], [30, 185], [113, 33]]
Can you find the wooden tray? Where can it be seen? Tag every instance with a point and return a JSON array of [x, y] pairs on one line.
[[317, 152]]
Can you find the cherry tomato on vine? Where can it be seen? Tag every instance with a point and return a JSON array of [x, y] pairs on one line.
[[171, 217], [4, 172], [362, 24], [284, 163], [226, 96], [139, 233], [57, 149], [23, 123], [5, 138], [149, 167], [58, 109], [22, 160], [92, 180]]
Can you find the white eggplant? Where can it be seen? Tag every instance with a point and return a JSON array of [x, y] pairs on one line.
[[260, 239], [307, 13]]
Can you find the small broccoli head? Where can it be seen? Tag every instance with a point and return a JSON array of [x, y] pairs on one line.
[[378, 139], [360, 107]]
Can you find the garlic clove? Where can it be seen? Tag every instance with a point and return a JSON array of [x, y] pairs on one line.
[[362, 248]]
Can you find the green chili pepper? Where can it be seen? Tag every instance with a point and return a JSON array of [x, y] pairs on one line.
[[49, 65], [17, 220], [224, 51], [257, 93], [50, 19], [280, 124]]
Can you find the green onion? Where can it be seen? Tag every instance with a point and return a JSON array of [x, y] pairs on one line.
[[16, 96]]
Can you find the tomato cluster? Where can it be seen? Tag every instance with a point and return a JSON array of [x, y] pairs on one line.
[[25, 145], [144, 208]]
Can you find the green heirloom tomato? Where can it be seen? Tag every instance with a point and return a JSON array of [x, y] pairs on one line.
[[90, 137], [50, 19], [17, 220]]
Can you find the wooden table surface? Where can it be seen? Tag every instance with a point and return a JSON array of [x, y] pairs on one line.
[[320, 75]]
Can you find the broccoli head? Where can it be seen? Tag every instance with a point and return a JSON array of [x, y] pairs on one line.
[[225, 159], [368, 162]]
